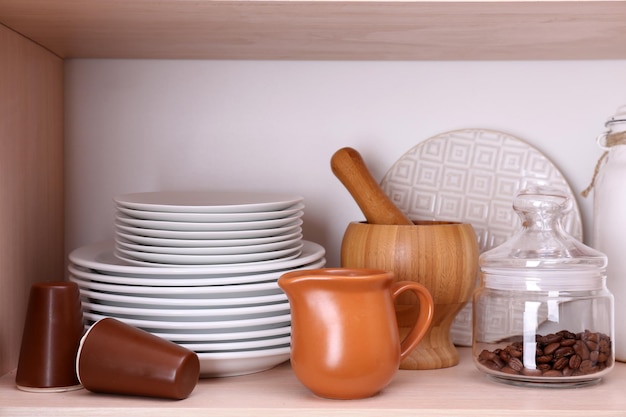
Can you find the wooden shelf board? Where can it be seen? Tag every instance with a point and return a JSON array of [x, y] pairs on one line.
[[323, 30], [459, 391]]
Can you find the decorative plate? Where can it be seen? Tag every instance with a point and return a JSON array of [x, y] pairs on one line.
[[472, 176]]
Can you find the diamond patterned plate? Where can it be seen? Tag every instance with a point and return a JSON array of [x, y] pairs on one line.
[[472, 176]]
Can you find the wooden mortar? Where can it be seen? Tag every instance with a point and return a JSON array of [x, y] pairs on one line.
[[442, 256]]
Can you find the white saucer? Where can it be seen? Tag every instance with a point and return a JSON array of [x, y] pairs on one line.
[[211, 217], [207, 201], [206, 226], [209, 234], [167, 259], [296, 233]]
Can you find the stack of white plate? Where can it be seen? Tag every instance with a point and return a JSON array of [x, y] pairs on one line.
[[225, 305]]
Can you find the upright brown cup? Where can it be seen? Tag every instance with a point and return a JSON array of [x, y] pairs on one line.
[[117, 358], [52, 331]]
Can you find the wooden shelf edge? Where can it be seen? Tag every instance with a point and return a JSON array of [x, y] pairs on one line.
[[323, 30], [459, 391]]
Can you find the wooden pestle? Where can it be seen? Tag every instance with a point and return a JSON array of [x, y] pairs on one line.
[[348, 165]]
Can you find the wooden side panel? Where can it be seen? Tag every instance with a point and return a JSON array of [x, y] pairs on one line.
[[31, 180]]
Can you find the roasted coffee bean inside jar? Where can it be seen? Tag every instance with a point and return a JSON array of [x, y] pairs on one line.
[[561, 354]]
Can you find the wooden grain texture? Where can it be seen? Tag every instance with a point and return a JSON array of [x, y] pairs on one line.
[[349, 167], [441, 256], [31, 180], [322, 30]]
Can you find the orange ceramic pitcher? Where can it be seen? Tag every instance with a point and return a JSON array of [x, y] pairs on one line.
[[345, 342]]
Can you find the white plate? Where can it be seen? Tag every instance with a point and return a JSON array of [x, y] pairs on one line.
[[156, 259], [227, 364], [198, 326], [211, 217], [233, 336], [122, 300], [100, 257], [239, 345], [209, 243], [167, 280], [211, 250], [207, 226], [209, 234], [190, 315], [207, 201], [472, 176], [216, 291]]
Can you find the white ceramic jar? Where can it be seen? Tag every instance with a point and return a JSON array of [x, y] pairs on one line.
[[609, 218]]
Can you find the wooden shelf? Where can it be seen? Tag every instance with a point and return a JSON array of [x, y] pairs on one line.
[[323, 30], [458, 391]]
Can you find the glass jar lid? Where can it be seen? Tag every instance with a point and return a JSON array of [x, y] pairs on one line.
[[542, 256]]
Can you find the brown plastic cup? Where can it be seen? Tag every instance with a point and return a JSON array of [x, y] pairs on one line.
[[52, 331], [117, 358]]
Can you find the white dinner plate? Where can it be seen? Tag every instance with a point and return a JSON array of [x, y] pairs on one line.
[[198, 326], [209, 234], [156, 259], [190, 315], [472, 176], [100, 257], [122, 300], [233, 336], [214, 347], [215, 291], [208, 243], [211, 217], [167, 280], [226, 364], [207, 201], [207, 226]]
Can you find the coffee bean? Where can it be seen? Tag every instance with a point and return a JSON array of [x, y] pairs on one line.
[[549, 339], [549, 350], [574, 362], [552, 373], [560, 354], [563, 352], [560, 363], [581, 349], [516, 364]]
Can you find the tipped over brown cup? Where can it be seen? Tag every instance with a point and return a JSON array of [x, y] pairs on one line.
[[117, 358]]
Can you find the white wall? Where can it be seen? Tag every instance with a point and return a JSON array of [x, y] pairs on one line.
[[152, 125]]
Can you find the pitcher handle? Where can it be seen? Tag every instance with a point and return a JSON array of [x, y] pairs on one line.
[[424, 317]]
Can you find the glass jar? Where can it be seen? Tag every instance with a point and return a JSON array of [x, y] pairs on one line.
[[543, 315]]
